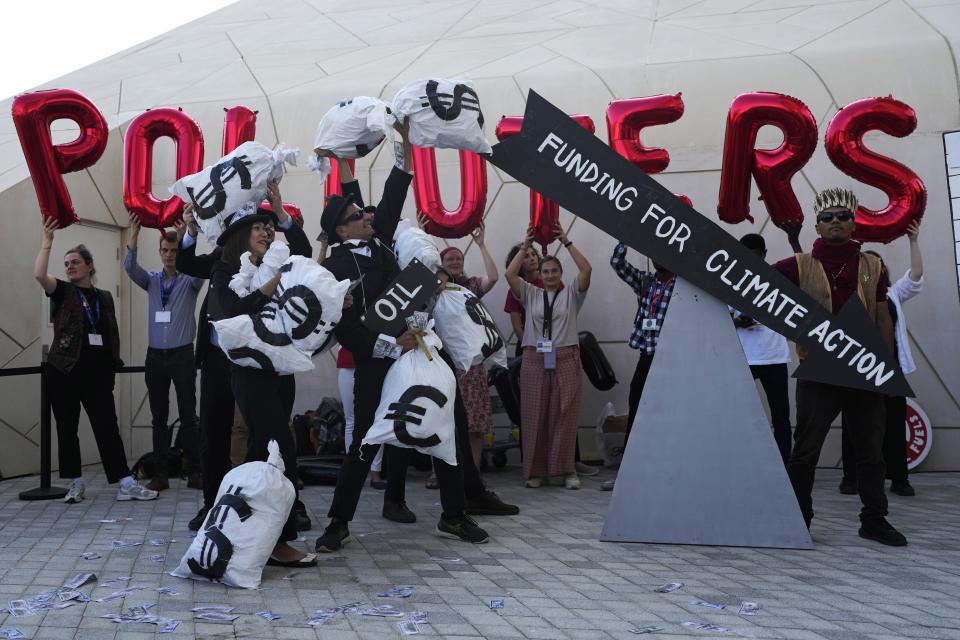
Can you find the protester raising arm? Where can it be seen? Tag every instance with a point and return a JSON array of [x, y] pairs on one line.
[[137, 273], [47, 282], [293, 232], [916, 258], [583, 265], [188, 262], [490, 279], [517, 284]]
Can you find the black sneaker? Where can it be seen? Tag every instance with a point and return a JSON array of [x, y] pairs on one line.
[[902, 488], [334, 537], [489, 504], [462, 528], [197, 522], [398, 512], [880, 530], [848, 487]]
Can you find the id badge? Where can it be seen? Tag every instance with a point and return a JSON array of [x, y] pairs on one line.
[[649, 324], [96, 340], [550, 359], [162, 316], [544, 346]]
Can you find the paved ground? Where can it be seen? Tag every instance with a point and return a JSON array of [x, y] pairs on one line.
[[556, 579]]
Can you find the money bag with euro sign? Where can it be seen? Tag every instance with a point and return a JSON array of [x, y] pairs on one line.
[[241, 529], [416, 403]]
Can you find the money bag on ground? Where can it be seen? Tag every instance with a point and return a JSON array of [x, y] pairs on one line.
[[443, 113], [236, 539], [239, 177], [295, 325], [467, 329], [351, 129], [411, 242], [416, 404]]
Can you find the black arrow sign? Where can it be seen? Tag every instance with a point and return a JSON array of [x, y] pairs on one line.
[[557, 157], [410, 291]]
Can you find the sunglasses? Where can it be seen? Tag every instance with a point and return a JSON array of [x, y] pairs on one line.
[[356, 215], [843, 216]]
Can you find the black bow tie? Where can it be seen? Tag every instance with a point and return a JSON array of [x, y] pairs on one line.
[[363, 244]]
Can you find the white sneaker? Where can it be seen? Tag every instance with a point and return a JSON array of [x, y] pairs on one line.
[[136, 491], [571, 481], [75, 494], [607, 485], [533, 483]]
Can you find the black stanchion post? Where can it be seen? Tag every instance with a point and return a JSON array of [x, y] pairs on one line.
[[44, 491]]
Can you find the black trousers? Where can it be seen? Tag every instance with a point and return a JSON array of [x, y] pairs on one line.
[[636, 390], [265, 400], [216, 421], [163, 366], [894, 447], [773, 379], [817, 406], [90, 383]]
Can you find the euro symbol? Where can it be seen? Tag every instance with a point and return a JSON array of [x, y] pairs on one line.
[[211, 200], [405, 411], [463, 98], [214, 539]]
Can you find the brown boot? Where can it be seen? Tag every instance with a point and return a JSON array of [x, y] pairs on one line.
[[158, 483]]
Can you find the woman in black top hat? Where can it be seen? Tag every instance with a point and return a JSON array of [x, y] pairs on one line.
[[265, 398]]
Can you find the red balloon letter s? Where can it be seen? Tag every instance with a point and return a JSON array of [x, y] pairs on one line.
[[138, 162], [544, 212], [907, 194], [32, 114], [771, 168]]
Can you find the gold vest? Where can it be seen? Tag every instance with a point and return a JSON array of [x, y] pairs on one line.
[[814, 281]]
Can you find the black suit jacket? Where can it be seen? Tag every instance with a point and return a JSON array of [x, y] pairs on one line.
[[189, 263], [378, 270]]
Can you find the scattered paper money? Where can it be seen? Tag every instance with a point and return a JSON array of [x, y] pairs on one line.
[[156, 542], [89, 555], [497, 604], [110, 583], [119, 594], [749, 608], [408, 628], [702, 626], [64, 605], [292, 575], [157, 557], [167, 591], [266, 615], [113, 520], [68, 594], [397, 592], [639, 631], [709, 605], [167, 626], [219, 608], [19, 608], [669, 587], [446, 559], [383, 611], [122, 544], [216, 616], [11, 633], [79, 580], [420, 617]]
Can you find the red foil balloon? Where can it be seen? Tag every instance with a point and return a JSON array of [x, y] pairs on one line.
[[32, 115], [771, 168], [544, 212], [627, 118], [332, 185], [907, 194], [239, 126], [142, 133], [441, 222]]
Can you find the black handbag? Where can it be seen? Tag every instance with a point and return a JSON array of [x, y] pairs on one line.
[[595, 363]]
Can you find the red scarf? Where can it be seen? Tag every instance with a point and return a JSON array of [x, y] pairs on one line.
[[841, 262]]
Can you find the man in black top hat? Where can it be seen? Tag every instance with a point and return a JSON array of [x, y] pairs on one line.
[[364, 250]]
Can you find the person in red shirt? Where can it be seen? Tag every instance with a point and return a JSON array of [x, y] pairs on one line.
[[831, 273]]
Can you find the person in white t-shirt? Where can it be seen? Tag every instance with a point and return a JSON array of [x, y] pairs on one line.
[[767, 354]]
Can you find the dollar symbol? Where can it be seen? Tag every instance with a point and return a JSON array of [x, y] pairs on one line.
[[463, 98], [405, 411], [215, 541], [479, 314], [211, 200]]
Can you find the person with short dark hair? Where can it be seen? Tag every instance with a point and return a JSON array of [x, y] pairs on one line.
[[767, 354], [834, 271], [81, 368], [550, 374], [171, 329], [530, 272]]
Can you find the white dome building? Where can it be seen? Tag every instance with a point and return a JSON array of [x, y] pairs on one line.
[[292, 60]]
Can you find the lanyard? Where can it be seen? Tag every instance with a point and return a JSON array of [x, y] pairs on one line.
[[164, 292], [656, 292], [93, 320], [548, 314]]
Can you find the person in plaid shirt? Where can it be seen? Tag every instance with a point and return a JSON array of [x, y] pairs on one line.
[[653, 292]]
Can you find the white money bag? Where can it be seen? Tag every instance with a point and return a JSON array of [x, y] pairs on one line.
[[467, 329], [351, 129], [411, 242], [241, 529], [443, 113], [416, 404], [239, 177]]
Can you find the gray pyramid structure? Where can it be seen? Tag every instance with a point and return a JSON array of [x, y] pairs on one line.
[[701, 466]]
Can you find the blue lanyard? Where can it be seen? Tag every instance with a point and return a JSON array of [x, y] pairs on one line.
[[164, 292], [93, 320]]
